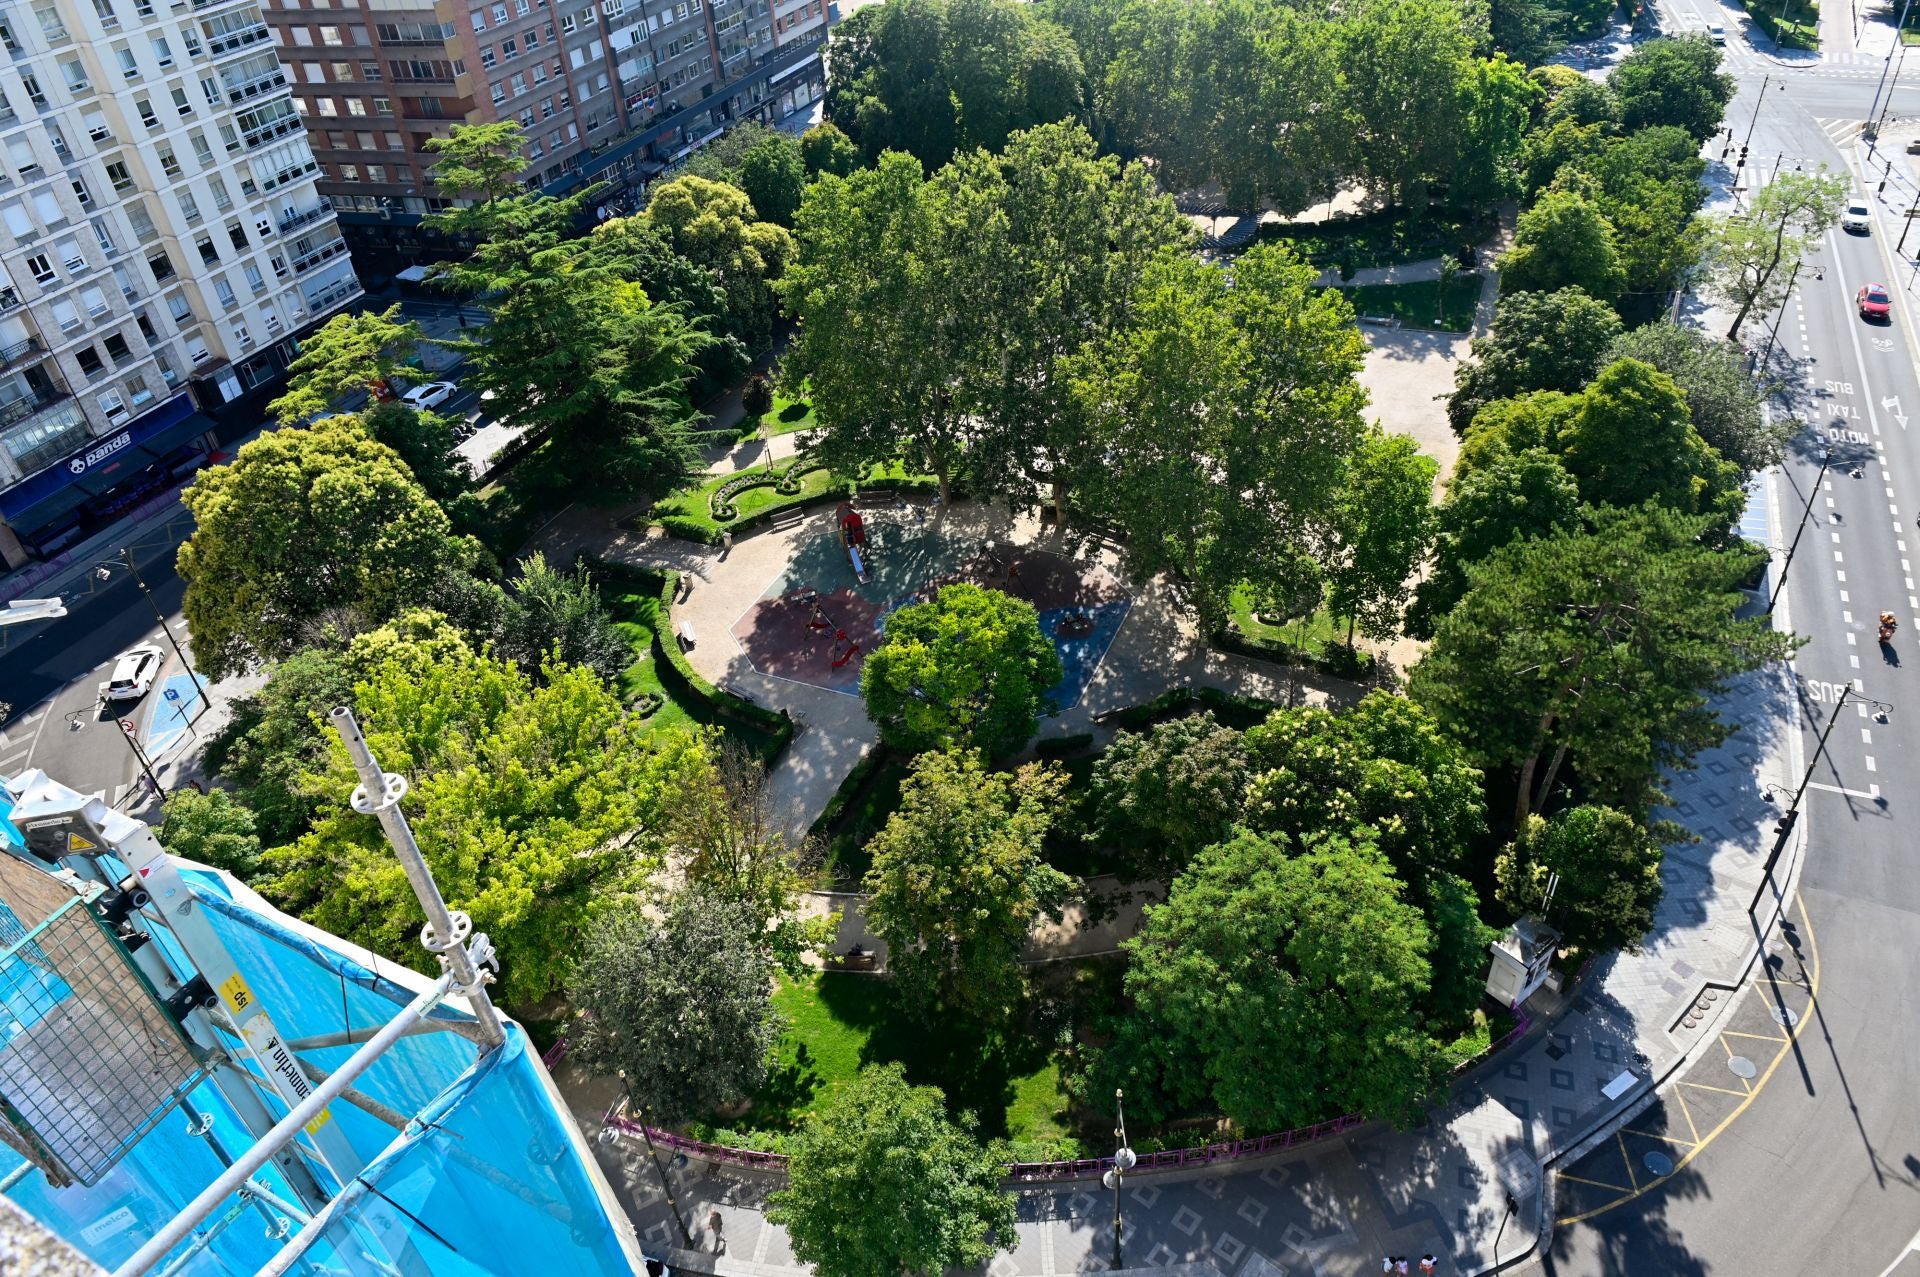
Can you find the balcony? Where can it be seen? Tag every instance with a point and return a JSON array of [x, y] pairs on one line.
[[333, 295], [285, 126], [290, 224], [324, 253], [253, 88], [14, 411], [11, 355], [233, 41]]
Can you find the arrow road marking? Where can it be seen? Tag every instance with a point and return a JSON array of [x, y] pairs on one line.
[[1893, 405]]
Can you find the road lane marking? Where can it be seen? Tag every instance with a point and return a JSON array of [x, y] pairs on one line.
[[1836, 789], [1866, 736], [1869, 761]]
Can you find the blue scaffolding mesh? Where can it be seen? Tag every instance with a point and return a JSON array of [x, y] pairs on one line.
[[490, 1176]]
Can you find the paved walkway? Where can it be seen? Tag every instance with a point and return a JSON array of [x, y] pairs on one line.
[[1588, 1061]]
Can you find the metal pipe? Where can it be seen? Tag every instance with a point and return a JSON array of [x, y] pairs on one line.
[[353, 1037], [254, 1188], [359, 1099], [204, 1240], [379, 795], [17, 1174], [283, 1133]]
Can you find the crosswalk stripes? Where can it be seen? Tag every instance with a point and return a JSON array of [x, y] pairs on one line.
[[1842, 132]]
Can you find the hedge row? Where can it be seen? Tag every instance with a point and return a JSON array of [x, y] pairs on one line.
[[1232, 709], [1340, 661], [724, 703], [863, 771], [691, 529]]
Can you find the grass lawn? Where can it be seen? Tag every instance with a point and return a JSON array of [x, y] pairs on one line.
[[1419, 304], [633, 600], [788, 415], [690, 504], [1315, 633], [837, 1023], [1385, 238]]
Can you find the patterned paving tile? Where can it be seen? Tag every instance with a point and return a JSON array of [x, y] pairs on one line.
[[1186, 1220], [1146, 1194], [1229, 1247], [1079, 1204], [1213, 1187], [1274, 1176], [1252, 1211]]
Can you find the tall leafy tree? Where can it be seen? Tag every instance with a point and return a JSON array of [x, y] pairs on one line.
[[273, 736], [1158, 798], [1723, 400], [1751, 256], [957, 883], [1607, 645], [881, 1182], [1563, 241], [715, 226], [301, 525], [1673, 81], [1609, 867], [680, 1005], [1512, 497], [824, 148], [1224, 417], [424, 442], [880, 344], [1496, 103], [1540, 341], [1281, 985], [556, 615], [774, 177], [348, 353], [212, 829], [1050, 242], [578, 353], [967, 670], [477, 164], [1401, 63], [1631, 441], [1382, 525], [736, 850], [536, 805]]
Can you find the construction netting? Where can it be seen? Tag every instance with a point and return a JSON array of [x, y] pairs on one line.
[[488, 1175]]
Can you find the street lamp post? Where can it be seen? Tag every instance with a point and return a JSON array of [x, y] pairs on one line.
[[1123, 1161], [1792, 815], [653, 1156], [128, 730], [1799, 531], [1872, 122], [1792, 279], [106, 570]]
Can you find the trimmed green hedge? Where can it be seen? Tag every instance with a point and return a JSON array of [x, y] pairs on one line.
[[707, 531], [674, 665], [1063, 746], [863, 771], [1232, 709], [1341, 661]]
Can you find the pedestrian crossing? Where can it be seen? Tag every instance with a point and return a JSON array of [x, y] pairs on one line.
[[1842, 133]]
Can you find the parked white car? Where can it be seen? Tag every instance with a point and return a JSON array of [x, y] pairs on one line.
[[133, 673], [430, 395]]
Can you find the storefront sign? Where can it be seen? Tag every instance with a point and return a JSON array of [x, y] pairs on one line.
[[82, 464]]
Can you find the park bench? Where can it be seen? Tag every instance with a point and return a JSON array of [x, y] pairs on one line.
[[684, 629], [855, 960], [791, 519]]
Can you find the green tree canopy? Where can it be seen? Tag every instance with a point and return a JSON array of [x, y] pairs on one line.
[[1382, 525], [1605, 645], [1609, 867], [824, 148], [1751, 257], [1631, 440], [880, 1183], [735, 850], [1563, 241], [300, 525], [1224, 419], [938, 77], [774, 177], [1510, 497], [479, 161], [1540, 341], [557, 616], [1496, 102], [424, 442], [1673, 81], [957, 883], [1723, 400], [1282, 986], [680, 1005], [346, 354], [273, 736], [536, 804], [967, 670], [716, 226], [1159, 797], [212, 829], [1400, 66]]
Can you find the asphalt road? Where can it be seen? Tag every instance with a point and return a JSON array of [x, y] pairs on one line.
[[1812, 1166]]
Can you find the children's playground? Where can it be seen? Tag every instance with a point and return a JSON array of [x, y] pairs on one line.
[[827, 608]]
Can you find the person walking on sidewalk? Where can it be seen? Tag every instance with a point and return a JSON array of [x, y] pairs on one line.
[[713, 1225], [1428, 1265]]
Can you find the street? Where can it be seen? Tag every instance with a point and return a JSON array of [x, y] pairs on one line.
[[1810, 1166]]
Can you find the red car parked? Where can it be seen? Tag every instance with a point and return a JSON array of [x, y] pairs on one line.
[[1875, 302]]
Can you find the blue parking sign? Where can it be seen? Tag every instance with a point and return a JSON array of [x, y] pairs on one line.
[[172, 693]]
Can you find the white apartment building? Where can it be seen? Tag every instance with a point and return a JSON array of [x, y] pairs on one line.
[[162, 243]]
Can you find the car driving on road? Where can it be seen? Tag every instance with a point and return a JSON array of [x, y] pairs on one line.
[[1875, 302], [430, 395], [1856, 218]]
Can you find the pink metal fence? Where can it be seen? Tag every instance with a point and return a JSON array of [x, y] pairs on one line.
[[1083, 1168]]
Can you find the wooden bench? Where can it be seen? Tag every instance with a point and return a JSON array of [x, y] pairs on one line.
[[791, 519], [684, 629], [861, 961]]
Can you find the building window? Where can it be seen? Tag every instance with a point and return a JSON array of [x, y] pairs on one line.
[[181, 103], [479, 19], [370, 71], [169, 162], [42, 268], [330, 36], [89, 360], [383, 106], [509, 48], [137, 390], [486, 57], [326, 107], [160, 264], [128, 67], [117, 348], [177, 307], [113, 405], [208, 253], [376, 172], [162, 51], [499, 94], [342, 71], [224, 291], [349, 172]]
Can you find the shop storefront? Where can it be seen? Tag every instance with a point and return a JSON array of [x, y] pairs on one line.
[[108, 478]]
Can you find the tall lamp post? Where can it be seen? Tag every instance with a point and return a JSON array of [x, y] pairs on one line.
[[104, 571], [1123, 1161], [653, 1156], [1781, 584], [1792, 816], [1818, 273]]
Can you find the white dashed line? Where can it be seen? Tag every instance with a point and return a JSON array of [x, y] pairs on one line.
[[1866, 737], [1870, 766], [1853, 640]]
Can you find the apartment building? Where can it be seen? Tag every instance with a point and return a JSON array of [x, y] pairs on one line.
[[611, 89], [162, 243]]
